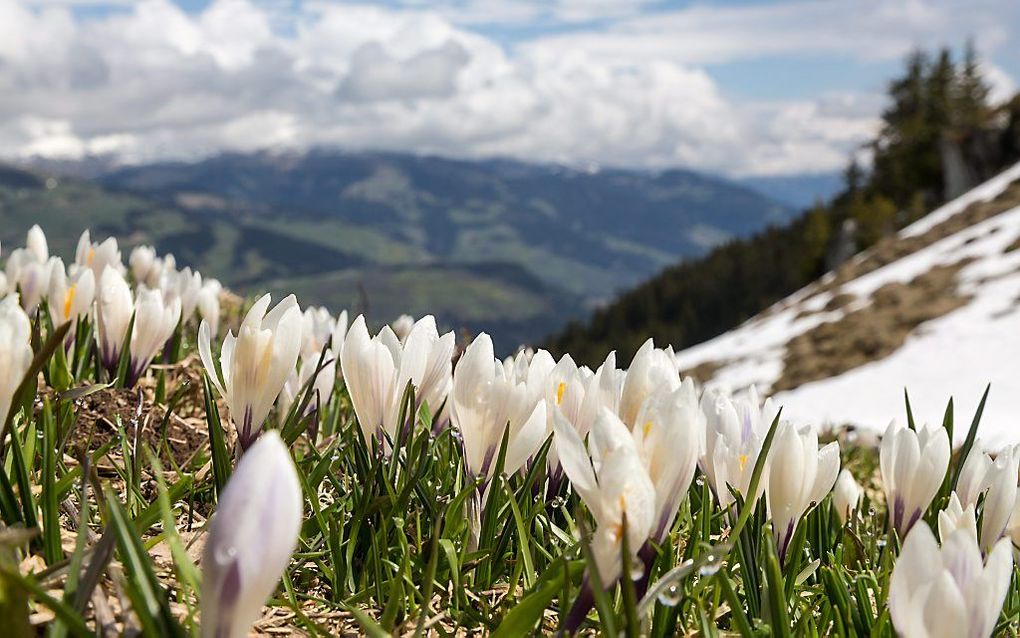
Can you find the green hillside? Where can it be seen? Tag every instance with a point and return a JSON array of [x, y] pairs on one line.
[[510, 248]]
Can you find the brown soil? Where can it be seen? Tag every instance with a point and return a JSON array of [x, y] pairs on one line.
[[895, 247], [873, 332], [703, 372]]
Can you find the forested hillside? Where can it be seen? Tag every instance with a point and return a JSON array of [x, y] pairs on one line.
[[940, 136]]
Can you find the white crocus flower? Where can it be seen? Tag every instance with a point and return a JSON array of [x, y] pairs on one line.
[[402, 325], [255, 364], [184, 286], [321, 388], [913, 466], [735, 432], [997, 480], [209, 304], [652, 368], [566, 388], [98, 256], [799, 475], [378, 369], [155, 322], [670, 438], [36, 244], [339, 332], [318, 330], [1013, 529], [955, 517], [141, 260], [846, 495], [114, 307], [15, 352], [70, 297], [252, 535], [948, 591], [31, 276], [614, 483], [483, 401]]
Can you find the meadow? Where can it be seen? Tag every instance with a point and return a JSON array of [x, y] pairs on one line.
[[177, 460]]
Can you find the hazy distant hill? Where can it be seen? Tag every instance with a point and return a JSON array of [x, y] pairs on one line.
[[503, 246], [797, 191]]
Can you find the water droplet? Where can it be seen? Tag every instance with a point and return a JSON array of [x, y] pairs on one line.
[[880, 543], [556, 503], [670, 597], [637, 568], [225, 555], [712, 565]]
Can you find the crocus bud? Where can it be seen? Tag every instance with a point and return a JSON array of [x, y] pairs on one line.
[[209, 304], [846, 496], [735, 432], [997, 480], [255, 364], [799, 475], [1013, 529], [141, 260], [955, 517], [30, 275], [321, 388], [401, 326], [948, 591], [99, 256], [317, 331], [252, 535], [37, 245], [185, 287], [913, 465], [15, 352], [114, 307], [155, 322], [339, 332], [652, 368], [484, 400], [69, 297]]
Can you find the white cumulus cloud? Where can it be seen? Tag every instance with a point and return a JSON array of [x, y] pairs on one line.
[[151, 81]]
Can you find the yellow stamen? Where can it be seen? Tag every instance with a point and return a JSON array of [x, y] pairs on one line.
[[618, 527], [69, 301], [647, 428], [90, 257], [560, 389], [743, 461]]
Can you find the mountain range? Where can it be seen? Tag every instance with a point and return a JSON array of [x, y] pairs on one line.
[[512, 248]]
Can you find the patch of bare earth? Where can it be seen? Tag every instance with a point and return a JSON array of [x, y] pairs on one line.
[[872, 332], [704, 371], [896, 247]]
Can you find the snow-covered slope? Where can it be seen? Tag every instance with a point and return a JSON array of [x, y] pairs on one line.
[[935, 310]]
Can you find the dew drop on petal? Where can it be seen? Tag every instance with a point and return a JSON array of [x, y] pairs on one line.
[[637, 568]]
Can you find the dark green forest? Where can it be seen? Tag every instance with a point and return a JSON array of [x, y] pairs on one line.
[[939, 137]]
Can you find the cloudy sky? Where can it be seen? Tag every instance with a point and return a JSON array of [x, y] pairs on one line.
[[738, 87]]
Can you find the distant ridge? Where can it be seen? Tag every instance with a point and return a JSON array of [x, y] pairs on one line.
[[512, 248]]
